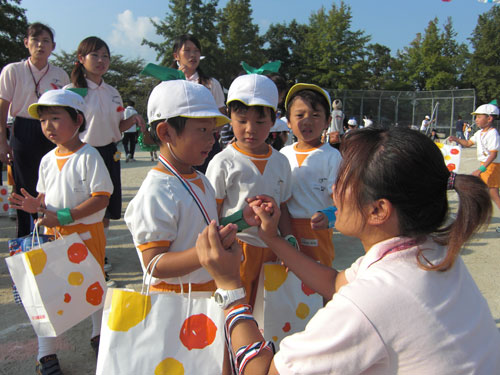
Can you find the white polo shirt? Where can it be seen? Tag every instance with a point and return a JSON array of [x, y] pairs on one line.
[[396, 318], [103, 113], [17, 85]]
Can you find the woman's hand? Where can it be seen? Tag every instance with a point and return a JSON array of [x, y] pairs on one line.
[[223, 265]]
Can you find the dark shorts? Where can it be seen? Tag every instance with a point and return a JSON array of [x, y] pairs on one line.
[[112, 161]]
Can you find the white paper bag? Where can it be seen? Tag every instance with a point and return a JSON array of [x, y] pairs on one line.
[[451, 155], [4, 202], [163, 333], [284, 304], [60, 284]]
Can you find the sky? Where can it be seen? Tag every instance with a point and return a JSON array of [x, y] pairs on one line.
[[124, 23]]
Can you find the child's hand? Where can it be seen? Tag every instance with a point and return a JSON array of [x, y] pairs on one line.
[[26, 202], [269, 215], [263, 201], [221, 264], [228, 235], [452, 138], [49, 218], [319, 221]]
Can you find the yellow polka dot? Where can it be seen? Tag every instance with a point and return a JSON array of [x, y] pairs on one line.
[[302, 311], [169, 366], [274, 276], [447, 157], [75, 278], [36, 260], [275, 338], [440, 145], [127, 310], [60, 312]]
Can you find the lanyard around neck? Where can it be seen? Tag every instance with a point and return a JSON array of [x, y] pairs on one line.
[[186, 185], [37, 84]]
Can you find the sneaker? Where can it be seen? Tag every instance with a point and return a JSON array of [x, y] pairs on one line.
[[110, 283], [152, 158], [107, 266], [498, 229], [94, 343], [48, 365], [128, 158]]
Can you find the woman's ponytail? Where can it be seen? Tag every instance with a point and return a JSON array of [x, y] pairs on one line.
[[78, 76]]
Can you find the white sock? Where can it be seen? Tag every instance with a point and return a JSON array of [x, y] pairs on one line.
[[46, 346], [96, 323]]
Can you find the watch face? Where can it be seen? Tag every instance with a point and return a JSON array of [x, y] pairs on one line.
[[218, 298]]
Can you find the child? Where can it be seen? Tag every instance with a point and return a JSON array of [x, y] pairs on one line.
[[250, 167], [105, 117], [73, 193], [21, 84], [314, 169], [164, 216], [409, 305], [488, 147]]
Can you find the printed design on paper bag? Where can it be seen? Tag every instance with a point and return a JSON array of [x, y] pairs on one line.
[[302, 311], [307, 291], [75, 278], [197, 332], [286, 328], [169, 366], [274, 276], [36, 260], [4, 203], [451, 155], [94, 294], [77, 253], [127, 310]]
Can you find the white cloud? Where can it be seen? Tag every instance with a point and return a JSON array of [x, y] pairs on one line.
[[128, 33]]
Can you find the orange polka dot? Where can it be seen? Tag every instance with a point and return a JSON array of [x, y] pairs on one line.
[[94, 294], [67, 298], [77, 253], [197, 332]]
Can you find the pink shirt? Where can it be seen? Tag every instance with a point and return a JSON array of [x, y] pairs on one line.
[[396, 318], [103, 113], [17, 85]]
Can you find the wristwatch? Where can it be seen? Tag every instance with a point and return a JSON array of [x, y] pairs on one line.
[[226, 297]]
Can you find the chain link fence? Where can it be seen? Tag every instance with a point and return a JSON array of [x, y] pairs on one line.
[[406, 108]]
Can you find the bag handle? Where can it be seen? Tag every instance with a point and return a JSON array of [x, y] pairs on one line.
[[149, 272]]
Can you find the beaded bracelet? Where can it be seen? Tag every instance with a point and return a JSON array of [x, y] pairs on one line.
[[64, 216], [482, 168]]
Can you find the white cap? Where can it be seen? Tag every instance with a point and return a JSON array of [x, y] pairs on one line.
[[486, 109], [427, 117], [279, 126], [185, 99], [308, 86], [57, 98], [254, 89], [352, 122], [367, 122]]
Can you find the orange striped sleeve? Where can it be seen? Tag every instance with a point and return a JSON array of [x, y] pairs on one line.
[[150, 245]]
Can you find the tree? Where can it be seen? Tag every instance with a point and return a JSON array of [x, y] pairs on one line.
[[435, 61], [483, 71], [332, 53], [13, 26], [284, 43], [193, 17], [122, 74], [240, 39]]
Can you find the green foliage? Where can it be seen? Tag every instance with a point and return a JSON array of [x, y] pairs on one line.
[[333, 54], [435, 61], [484, 69], [239, 38], [13, 26]]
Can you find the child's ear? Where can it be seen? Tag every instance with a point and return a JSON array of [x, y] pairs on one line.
[[164, 132], [79, 119]]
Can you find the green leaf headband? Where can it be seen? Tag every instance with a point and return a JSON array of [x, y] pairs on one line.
[[268, 68], [162, 72]]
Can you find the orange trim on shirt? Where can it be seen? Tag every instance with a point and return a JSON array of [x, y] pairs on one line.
[[153, 244], [100, 193], [308, 150], [162, 286], [198, 182], [253, 155], [260, 164]]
